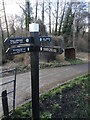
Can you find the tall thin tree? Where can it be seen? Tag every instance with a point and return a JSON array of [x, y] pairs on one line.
[[43, 11], [27, 14], [1, 31], [57, 17], [36, 10], [49, 16], [61, 20], [3, 3]]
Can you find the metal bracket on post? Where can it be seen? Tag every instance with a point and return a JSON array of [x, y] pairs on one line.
[[34, 30]]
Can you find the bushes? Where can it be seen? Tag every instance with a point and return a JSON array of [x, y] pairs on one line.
[[58, 41], [82, 44]]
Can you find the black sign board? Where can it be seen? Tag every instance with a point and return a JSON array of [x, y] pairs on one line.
[[24, 40], [25, 49], [20, 50], [51, 49], [18, 40]]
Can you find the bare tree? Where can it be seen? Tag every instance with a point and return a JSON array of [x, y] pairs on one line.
[[12, 28], [79, 23], [1, 31], [61, 20], [0, 43], [5, 18], [36, 10], [27, 10], [43, 11], [57, 17], [27, 19], [49, 16]]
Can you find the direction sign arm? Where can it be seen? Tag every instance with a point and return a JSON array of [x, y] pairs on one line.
[[19, 40]]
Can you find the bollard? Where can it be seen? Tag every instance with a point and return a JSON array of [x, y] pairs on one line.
[[5, 103]]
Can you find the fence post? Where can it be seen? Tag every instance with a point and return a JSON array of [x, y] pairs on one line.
[[14, 92], [5, 103]]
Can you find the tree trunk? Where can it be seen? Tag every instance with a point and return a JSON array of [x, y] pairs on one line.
[[57, 17], [36, 10], [28, 15], [49, 17], [74, 31], [61, 21], [43, 12], [1, 31], [5, 18]]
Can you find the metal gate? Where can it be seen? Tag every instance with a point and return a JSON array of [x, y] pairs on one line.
[[3, 75]]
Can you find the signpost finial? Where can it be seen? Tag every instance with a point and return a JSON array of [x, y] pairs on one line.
[[34, 27]]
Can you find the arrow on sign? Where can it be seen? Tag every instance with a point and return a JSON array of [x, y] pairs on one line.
[[18, 40]]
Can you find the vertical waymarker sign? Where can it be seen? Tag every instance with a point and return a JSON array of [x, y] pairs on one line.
[[34, 30]]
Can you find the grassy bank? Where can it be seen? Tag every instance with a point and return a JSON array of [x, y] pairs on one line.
[[60, 64], [67, 101]]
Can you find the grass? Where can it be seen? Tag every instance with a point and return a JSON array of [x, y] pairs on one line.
[[67, 101], [59, 64], [75, 62]]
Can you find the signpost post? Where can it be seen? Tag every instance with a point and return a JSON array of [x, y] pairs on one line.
[[34, 30], [33, 47]]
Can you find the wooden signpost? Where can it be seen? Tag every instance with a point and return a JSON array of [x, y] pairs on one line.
[[34, 47]]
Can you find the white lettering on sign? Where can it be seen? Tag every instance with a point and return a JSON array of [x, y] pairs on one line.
[[49, 49], [45, 39], [16, 41], [19, 50]]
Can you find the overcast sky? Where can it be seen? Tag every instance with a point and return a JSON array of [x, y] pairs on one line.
[[13, 8]]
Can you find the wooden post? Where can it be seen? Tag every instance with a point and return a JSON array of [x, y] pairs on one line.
[[34, 29], [5, 103]]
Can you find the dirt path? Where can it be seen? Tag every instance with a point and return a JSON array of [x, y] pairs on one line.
[[49, 78]]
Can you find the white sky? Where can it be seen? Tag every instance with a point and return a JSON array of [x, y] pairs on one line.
[[13, 8]]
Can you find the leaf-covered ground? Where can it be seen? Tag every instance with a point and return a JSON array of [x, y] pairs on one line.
[[67, 101]]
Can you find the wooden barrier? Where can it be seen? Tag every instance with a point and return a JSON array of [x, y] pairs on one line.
[[70, 53]]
